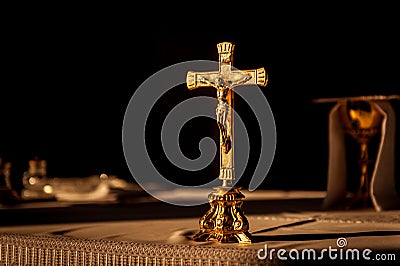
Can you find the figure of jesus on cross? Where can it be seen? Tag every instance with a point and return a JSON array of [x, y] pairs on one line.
[[226, 224]]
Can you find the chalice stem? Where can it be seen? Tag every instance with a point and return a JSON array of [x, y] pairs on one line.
[[364, 189]]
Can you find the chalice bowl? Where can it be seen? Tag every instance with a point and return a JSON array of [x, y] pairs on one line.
[[362, 121]]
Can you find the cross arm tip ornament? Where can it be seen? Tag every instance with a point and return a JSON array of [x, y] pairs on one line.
[[259, 77], [191, 80]]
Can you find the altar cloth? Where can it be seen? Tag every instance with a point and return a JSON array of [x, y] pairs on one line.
[[167, 240]]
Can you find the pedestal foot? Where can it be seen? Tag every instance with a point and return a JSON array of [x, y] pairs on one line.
[[225, 221]]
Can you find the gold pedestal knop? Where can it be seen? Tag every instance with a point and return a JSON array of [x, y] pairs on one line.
[[225, 221]]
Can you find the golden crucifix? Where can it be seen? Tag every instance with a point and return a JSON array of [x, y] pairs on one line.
[[225, 222]]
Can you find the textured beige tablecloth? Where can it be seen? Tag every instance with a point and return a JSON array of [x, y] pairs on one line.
[[169, 240], [289, 221]]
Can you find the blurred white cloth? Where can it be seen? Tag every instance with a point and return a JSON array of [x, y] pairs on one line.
[[383, 187]]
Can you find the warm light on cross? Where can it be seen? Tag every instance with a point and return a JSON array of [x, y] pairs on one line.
[[224, 80]]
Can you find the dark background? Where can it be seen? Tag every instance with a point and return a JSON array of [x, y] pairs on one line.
[[67, 84]]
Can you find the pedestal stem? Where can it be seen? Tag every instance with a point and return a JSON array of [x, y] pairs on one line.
[[363, 196]]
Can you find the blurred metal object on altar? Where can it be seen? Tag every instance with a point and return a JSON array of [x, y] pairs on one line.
[[94, 188], [8, 195], [36, 184]]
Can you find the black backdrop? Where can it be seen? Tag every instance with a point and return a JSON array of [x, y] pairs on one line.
[[67, 86]]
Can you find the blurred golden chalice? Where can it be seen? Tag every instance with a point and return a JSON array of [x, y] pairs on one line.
[[362, 121]]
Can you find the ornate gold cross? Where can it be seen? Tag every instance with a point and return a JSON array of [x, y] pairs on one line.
[[224, 81], [225, 221]]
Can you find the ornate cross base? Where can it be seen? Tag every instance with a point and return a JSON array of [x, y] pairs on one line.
[[225, 221]]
